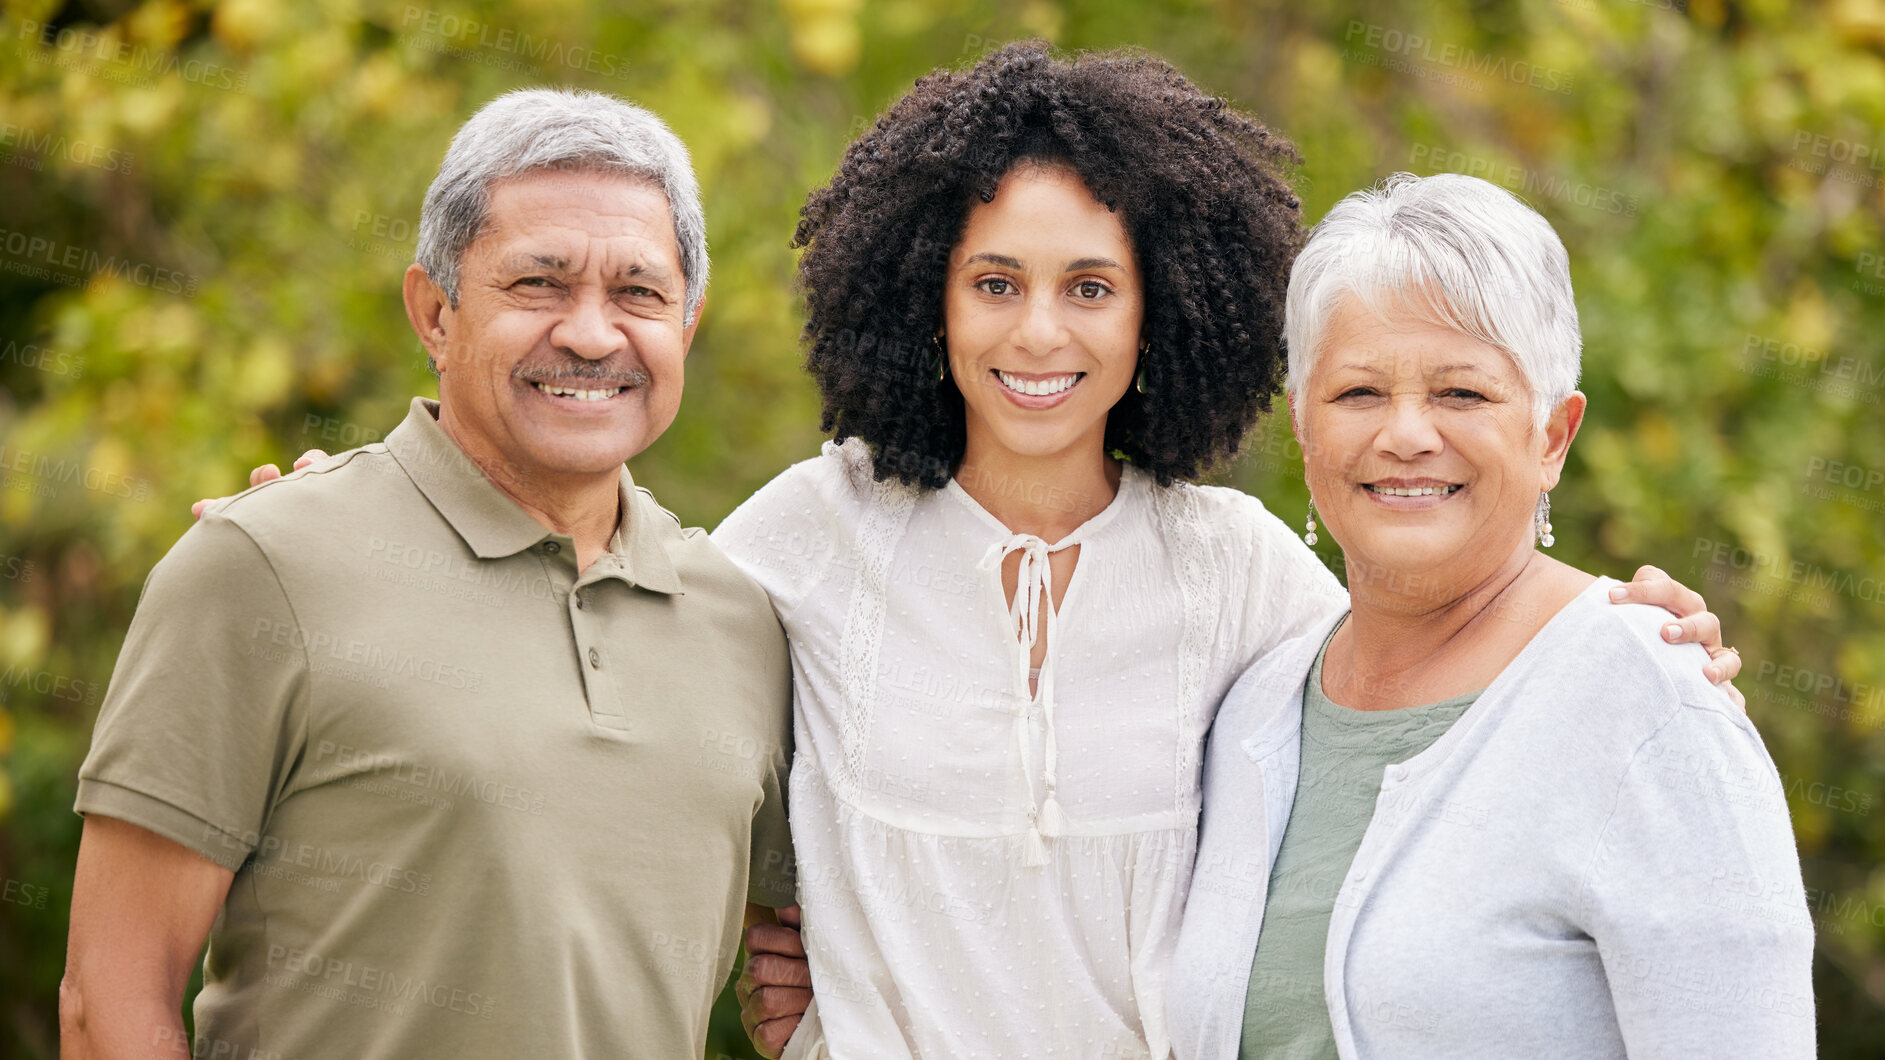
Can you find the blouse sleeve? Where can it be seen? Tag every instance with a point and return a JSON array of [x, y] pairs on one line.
[[792, 534], [1277, 588]]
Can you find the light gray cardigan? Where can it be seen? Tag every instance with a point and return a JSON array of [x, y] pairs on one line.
[[1594, 861]]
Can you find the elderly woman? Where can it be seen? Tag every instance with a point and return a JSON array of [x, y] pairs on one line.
[[1485, 813]]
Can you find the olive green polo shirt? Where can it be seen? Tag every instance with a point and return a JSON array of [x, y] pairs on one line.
[[478, 804]]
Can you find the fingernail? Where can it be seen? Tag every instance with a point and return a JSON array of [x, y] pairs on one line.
[[1671, 631], [1618, 592]]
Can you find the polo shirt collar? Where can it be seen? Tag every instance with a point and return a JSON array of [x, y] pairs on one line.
[[494, 526], [638, 550]]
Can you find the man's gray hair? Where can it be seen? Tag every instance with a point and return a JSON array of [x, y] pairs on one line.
[[1454, 250], [536, 129]]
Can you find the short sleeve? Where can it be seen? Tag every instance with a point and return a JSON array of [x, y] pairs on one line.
[[207, 704], [772, 879], [1694, 897]]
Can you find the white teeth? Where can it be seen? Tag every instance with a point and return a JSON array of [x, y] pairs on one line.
[[1037, 387], [579, 395], [1422, 491]]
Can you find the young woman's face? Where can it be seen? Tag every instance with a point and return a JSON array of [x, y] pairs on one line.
[[1042, 307]]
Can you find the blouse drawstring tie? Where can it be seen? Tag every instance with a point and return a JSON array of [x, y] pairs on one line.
[[1034, 583]]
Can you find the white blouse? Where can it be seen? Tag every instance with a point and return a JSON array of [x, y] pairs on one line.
[[986, 871]]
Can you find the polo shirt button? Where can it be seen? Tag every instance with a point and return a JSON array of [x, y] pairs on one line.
[[595, 659], [581, 601], [551, 548]]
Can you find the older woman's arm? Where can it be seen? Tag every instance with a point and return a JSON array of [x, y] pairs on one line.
[[1695, 899]]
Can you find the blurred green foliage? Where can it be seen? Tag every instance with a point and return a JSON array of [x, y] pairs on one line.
[[206, 208]]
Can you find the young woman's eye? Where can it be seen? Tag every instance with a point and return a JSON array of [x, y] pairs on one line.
[[1090, 289], [995, 285]]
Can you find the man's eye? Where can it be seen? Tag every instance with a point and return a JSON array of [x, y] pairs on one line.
[[534, 281]]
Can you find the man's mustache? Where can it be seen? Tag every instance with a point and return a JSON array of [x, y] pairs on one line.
[[608, 372]]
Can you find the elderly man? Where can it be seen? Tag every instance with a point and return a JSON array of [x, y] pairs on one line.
[[456, 745]]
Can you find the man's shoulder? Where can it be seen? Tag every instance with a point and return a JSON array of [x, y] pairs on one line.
[[305, 514]]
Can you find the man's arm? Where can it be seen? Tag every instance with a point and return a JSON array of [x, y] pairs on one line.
[[142, 907]]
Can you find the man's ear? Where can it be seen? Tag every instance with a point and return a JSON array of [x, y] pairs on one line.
[[1560, 429], [429, 313], [687, 333]]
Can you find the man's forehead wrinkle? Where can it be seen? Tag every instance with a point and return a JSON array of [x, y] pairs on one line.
[[565, 238]]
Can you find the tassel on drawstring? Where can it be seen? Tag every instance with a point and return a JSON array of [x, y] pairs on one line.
[[1033, 849], [1051, 820], [1034, 593]]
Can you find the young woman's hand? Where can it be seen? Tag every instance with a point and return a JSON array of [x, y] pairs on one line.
[[258, 476], [1694, 624]]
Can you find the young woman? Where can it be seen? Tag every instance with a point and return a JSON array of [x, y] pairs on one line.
[[1042, 297]]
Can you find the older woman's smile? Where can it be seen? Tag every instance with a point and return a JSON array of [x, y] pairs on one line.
[[1411, 494]]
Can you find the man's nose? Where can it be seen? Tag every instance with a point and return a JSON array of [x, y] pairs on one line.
[[588, 329]]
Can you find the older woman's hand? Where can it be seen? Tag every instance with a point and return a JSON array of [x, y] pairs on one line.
[[775, 987], [1694, 624]]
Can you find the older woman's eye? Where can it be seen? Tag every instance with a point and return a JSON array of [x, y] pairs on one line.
[[1357, 392], [1460, 393]]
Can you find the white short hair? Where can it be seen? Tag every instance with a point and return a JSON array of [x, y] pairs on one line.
[[1456, 251], [557, 129]]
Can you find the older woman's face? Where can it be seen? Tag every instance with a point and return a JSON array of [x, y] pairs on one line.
[[1042, 306], [1421, 451]]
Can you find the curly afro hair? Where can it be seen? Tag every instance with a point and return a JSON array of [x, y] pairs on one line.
[[1200, 191]]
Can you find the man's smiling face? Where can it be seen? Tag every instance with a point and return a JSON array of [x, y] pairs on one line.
[[565, 355]]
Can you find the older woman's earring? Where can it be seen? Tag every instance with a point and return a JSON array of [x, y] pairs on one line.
[[1541, 521], [1309, 528]]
